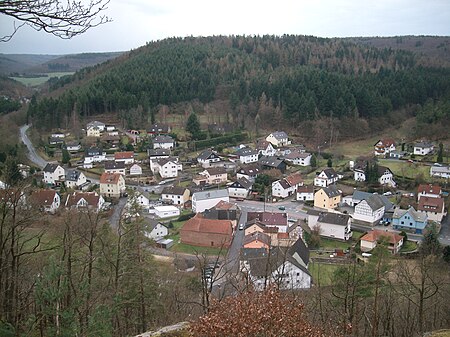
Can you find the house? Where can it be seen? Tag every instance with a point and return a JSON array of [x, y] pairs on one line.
[[112, 185], [101, 126], [240, 188], [211, 176], [423, 148], [158, 153], [229, 166], [247, 155], [327, 197], [207, 199], [331, 225], [287, 186], [249, 172], [385, 175], [135, 170], [115, 167], [393, 241], [280, 267], [112, 140], [220, 129], [434, 208], [156, 230], [299, 158], [358, 196], [326, 178], [93, 132], [58, 135], [278, 221], [397, 154], [199, 231], [75, 179], [166, 211], [158, 129], [429, 190], [85, 200], [54, 174], [440, 171], [268, 163], [370, 209], [384, 146], [265, 148], [278, 138], [93, 155], [409, 219], [138, 199], [2, 185], [207, 157], [256, 240], [73, 147], [110, 128], [176, 195], [126, 157], [223, 210], [166, 168], [46, 200], [163, 142], [305, 193], [55, 141]]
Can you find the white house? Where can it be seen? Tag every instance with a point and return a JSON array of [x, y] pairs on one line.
[[370, 210], [115, 167], [138, 199], [384, 146], [163, 142], [47, 200], [126, 157], [156, 230], [85, 200], [93, 132], [135, 170], [440, 171], [434, 208], [75, 179], [73, 147], [287, 186], [332, 225], [112, 185], [176, 195], [278, 138], [240, 188], [166, 168], [265, 148], [247, 155], [97, 124], [305, 193], [207, 199], [158, 153], [207, 157], [299, 158], [386, 176], [423, 148], [249, 172], [212, 176], [53, 174], [2, 185], [326, 177], [166, 211], [94, 155]]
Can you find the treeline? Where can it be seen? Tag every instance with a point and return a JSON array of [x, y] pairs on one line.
[[303, 77]]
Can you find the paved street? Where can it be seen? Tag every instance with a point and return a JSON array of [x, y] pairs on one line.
[[117, 213], [32, 154]]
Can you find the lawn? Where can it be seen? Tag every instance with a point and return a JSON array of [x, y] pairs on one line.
[[403, 168], [188, 249], [322, 272], [408, 246], [35, 81], [330, 244]]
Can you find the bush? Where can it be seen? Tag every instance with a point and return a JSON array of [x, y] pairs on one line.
[[184, 217]]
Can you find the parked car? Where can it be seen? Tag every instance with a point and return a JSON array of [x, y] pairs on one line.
[[282, 208], [241, 226]]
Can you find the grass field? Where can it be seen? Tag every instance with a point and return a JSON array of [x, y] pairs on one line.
[[35, 81], [406, 169], [322, 272]]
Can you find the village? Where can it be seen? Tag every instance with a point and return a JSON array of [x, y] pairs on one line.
[[267, 208]]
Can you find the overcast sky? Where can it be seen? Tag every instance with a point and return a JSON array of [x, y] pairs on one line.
[[136, 22]]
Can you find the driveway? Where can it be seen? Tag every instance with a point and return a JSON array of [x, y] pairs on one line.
[[115, 217], [32, 154]]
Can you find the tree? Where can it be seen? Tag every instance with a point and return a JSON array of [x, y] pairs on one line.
[[329, 162], [313, 161], [11, 172], [446, 254], [193, 125], [405, 236], [64, 19], [430, 244], [65, 156]]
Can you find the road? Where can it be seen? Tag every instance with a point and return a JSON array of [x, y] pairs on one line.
[[32, 154], [115, 217], [444, 234]]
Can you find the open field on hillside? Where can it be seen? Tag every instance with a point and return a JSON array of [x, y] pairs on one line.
[[35, 81], [406, 169]]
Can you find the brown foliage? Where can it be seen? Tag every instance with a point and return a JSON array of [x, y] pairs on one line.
[[267, 313]]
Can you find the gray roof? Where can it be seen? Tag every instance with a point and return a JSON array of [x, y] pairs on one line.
[[72, 175], [270, 161], [243, 182], [331, 191], [207, 154], [375, 202], [252, 253], [440, 169], [163, 139], [330, 173], [155, 128], [334, 218], [50, 167], [95, 124], [211, 194], [423, 144], [361, 195], [175, 190], [417, 216], [94, 151], [112, 165], [250, 170], [246, 151], [300, 248], [280, 134], [153, 224], [158, 152]]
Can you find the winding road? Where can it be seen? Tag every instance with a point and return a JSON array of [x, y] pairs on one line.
[[32, 154]]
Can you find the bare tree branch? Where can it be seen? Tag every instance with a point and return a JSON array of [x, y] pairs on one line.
[[64, 19]]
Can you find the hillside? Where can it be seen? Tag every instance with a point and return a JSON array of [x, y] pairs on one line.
[[253, 82]]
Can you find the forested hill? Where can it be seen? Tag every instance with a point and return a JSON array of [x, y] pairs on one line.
[[264, 80]]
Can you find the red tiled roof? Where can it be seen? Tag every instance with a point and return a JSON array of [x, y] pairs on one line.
[[202, 225], [427, 204], [294, 179], [268, 218], [43, 197], [376, 235], [429, 189], [305, 189], [110, 178], [91, 198], [124, 155]]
